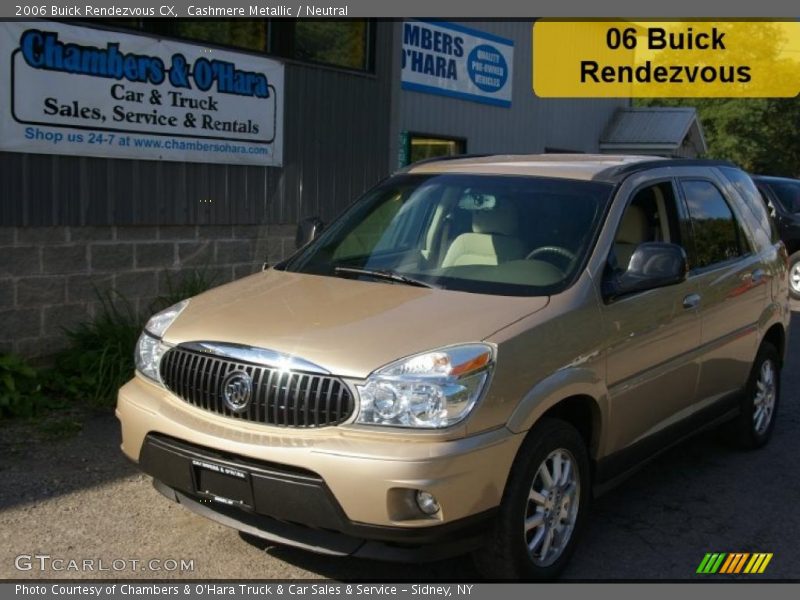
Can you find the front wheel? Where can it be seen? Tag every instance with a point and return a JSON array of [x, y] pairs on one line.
[[543, 507]]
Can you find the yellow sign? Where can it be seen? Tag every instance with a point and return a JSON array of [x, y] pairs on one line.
[[658, 59]]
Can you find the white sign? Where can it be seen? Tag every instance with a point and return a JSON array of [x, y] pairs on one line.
[[451, 60], [81, 91]]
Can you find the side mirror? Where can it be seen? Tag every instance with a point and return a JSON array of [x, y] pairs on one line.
[[653, 265], [307, 230]]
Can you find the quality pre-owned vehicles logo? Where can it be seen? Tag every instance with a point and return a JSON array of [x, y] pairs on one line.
[[734, 563]]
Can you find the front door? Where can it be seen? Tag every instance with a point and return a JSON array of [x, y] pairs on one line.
[[652, 336]]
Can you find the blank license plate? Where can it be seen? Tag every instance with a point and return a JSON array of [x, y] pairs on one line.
[[223, 483]]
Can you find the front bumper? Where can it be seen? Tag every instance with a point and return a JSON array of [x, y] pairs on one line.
[[339, 480], [293, 507]]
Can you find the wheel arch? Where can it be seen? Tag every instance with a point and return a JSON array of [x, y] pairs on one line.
[[776, 335], [583, 413], [575, 396]]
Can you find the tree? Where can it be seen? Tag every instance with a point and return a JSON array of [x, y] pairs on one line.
[[761, 135]]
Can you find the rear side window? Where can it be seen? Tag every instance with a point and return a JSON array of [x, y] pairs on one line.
[[716, 234], [755, 201]]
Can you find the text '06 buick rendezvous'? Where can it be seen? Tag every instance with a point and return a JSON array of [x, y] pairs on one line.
[[466, 355]]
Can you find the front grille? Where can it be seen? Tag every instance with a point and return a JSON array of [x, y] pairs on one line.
[[282, 398]]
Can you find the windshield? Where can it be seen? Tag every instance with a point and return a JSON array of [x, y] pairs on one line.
[[788, 194], [503, 235]]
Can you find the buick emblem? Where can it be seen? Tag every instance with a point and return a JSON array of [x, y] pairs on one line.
[[237, 388]]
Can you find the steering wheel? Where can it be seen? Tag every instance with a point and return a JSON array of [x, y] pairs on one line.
[[557, 250]]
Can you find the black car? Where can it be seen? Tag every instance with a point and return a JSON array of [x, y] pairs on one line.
[[782, 196]]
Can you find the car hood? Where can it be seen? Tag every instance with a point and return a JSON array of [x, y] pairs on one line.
[[346, 326]]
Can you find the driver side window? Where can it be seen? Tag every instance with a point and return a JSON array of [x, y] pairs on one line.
[[651, 216]]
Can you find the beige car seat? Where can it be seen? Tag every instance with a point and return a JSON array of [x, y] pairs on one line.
[[633, 230], [491, 242]]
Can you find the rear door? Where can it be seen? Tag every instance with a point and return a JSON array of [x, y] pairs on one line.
[[731, 286]]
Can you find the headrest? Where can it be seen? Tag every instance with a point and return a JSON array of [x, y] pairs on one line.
[[500, 220], [634, 226]]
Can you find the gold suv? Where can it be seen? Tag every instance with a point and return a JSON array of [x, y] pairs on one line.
[[468, 354]]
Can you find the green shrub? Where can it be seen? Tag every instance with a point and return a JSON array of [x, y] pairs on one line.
[[181, 286], [20, 387], [98, 359]]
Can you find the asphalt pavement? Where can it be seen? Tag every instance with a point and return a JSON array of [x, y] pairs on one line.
[[79, 500]]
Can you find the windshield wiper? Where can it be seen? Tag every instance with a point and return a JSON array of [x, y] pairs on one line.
[[387, 275]]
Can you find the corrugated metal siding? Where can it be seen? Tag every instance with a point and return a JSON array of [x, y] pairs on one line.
[[336, 132], [342, 134], [40, 189], [530, 125]]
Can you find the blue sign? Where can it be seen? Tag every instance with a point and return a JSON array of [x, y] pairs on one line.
[[452, 60]]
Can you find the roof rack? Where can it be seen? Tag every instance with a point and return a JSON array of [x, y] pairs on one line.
[[618, 173], [440, 158]]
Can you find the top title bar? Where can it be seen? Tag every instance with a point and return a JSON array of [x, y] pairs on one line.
[[782, 9]]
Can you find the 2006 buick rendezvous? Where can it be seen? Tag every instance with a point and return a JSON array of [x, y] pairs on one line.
[[468, 353]]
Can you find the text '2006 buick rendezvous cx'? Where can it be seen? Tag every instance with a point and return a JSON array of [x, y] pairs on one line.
[[467, 355]]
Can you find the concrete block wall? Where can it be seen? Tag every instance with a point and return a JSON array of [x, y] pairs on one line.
[[50, 276]]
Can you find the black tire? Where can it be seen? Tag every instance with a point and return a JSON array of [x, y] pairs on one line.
[[744, 429], [506, 554], [794, 271]]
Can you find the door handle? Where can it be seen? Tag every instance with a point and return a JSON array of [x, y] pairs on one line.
[[756, 276], [691, 301]]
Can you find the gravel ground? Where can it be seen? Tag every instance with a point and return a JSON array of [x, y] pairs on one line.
[[80, 499]]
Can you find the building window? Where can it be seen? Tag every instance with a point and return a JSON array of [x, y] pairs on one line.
[[244, 34], [339, 43], [345, 44], [557, 150], [429, 146]]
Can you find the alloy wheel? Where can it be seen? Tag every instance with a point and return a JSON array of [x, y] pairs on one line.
[[765, 393], [794, 277], [552, 507]]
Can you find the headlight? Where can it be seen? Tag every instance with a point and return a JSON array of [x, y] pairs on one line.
[[431, 390], [158, 324], [150, 348]]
